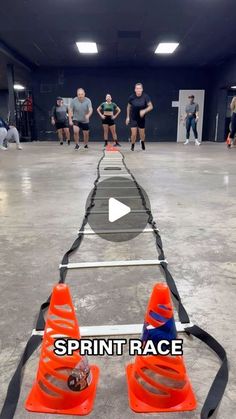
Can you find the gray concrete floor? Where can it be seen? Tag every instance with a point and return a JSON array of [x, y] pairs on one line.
[[43, 191]]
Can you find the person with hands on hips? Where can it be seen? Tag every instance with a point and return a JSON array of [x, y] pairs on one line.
[[139, 104], [108, 111], [191, 119]]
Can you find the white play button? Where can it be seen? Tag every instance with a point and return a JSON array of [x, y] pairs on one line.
[[117, 210]]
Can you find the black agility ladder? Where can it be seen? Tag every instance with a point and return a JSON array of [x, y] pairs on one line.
[[218, 386]]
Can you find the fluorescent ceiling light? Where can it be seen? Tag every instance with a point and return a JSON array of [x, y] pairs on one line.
[[19, 87], [166, 47], [87, 47], [233, 87]]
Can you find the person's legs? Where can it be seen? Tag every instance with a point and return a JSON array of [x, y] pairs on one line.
[[188, 126], [76, 136], [194, 128], [105, 133], [60, 135], [67, 134], [142, 137], [114, 134], [3, 135], [133, 137], [86, 138], [13, 134]]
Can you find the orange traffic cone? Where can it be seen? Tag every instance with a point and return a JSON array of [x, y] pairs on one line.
[[110, 147], [64, 384], [159, 383]]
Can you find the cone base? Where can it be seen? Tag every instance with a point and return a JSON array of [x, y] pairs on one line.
[[32, 404], [138, 406]]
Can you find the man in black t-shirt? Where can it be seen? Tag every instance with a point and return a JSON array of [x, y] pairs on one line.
[[139, 104]]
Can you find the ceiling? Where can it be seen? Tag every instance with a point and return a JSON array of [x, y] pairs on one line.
[[127, 32]]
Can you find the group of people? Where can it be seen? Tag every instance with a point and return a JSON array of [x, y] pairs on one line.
[[8, 133], [80, 110], [139, 105]]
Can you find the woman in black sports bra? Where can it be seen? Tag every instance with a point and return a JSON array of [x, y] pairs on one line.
[[108, 111]]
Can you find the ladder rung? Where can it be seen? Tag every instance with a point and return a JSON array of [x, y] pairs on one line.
[[112, 263], [129, 230]]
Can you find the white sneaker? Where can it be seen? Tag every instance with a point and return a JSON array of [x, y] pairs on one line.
[[19, 147], [186, 142], [197, 142], [3, 148]]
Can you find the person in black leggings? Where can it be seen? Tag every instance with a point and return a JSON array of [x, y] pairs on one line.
[[60, 120], [233, 121]]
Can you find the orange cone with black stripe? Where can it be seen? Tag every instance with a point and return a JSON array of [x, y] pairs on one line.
[[159, 383], [64, 384]]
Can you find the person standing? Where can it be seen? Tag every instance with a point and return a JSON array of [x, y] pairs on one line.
[[108, 112], [9, 133], [139, 104], [60, 120], [79, 114], [191, 119], [233, 122]]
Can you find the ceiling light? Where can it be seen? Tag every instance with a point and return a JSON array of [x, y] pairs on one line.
[[87, 47], [166, 47], [19, 87], [233, 87]]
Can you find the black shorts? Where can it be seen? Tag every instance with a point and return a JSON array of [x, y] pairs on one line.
[[108, 121], [61, 125], [83, 125], [137, 123]]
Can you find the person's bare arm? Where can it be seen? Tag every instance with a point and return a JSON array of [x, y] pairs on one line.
[[100, 113], [118, 111], [128, 114], [149, 108]]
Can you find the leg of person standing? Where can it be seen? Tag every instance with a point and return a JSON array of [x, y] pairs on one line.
[[86, 137], [194, 128], [13, 134], [114, 134], [3, 135], [105, 132], [188, 127]]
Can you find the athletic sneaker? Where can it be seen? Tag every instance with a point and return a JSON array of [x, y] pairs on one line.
[[132, 147], [106, 143], [186, 142], [19, 147], [116, 144], [68, 142], [3, 148], [61, 142], [143, 145], [229, 145], [77, 147], [86, 146], [197, 142]]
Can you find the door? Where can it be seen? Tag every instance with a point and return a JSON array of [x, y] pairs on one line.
[[183, 100]]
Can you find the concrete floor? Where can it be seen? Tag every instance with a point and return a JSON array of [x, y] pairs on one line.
[[43, 191]]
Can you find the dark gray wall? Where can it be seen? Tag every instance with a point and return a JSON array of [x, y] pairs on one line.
[[4, 104], [161, 84]]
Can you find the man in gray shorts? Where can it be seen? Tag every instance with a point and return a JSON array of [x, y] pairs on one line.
[[79, 114], [191, 119]]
